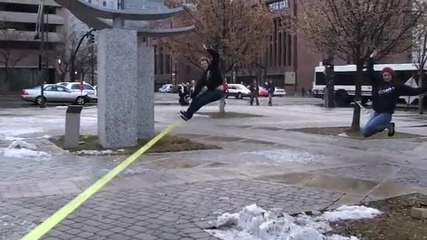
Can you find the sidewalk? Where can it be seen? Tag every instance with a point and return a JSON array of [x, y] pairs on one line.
[[177, 195]]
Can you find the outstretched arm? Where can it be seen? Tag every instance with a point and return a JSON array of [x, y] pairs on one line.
[[404, 90], [370, 69]]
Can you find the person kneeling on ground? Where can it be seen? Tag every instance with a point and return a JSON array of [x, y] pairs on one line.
[[212, 79], [385, 94]]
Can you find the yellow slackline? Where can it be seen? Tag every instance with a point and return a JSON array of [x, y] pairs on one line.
[[62, 213]]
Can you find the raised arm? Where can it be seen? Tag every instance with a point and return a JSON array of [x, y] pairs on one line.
[[373, 76], [215, 57]]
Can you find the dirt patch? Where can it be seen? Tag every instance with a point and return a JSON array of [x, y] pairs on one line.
[[346, 132], [395, 223], [228, 115], [89, 146]]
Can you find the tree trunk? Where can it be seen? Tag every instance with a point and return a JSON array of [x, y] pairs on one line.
[[6, 74], [222, 100], [421, 97], [355, 125]]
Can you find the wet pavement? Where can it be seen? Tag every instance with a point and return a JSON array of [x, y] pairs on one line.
[[176, 195]]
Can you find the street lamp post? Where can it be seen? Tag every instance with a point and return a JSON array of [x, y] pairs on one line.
[[73, 55], [40, 35]]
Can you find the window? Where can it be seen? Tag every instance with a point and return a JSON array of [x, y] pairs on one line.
[[51, 88], [61, 89], [87, 87], [75, 86], [278, 5]]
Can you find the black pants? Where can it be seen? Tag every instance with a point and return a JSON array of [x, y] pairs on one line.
[[254, 95], [203, 99]]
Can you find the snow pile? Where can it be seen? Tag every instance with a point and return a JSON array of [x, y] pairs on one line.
[[255, 223], [23, 150], [351, 213], [99, 152]]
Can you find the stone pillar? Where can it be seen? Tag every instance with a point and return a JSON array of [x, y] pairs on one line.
[[117, 74], [145, 90]]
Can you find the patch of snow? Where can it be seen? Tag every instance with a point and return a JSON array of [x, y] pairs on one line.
[[94, 152], [287, 155], [13, 138], [339, 237], [350, 213], [22, 144], [342, 135], [201, 115], [255, 223], [23, 153]]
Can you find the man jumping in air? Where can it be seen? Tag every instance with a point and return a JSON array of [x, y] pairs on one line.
[[385, 93], [212, 79]]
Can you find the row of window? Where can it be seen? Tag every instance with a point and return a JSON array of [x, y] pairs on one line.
[[25, 8]]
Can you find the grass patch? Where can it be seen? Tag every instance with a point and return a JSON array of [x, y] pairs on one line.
[[346, 132], [89, 146], [395, 223], [228, 115]]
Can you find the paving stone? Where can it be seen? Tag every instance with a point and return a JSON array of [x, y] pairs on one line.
[[411, 176]]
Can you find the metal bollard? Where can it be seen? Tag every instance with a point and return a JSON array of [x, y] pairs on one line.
[[72, 126]]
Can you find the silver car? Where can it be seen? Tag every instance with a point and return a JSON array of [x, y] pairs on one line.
[[53, 93], [87, 88]]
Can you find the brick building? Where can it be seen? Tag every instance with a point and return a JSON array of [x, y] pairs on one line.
[[288, 61]]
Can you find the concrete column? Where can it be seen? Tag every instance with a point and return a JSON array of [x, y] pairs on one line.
[[117, 74], [145, 90]]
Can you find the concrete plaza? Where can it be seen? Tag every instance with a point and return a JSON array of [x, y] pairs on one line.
[[177, 195]]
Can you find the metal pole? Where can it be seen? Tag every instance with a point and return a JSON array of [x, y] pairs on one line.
[[42, 28], [73, 55], [93, 65]]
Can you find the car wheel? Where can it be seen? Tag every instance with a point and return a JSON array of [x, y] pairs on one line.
[[80, 100], [239, 96], [40, 100]]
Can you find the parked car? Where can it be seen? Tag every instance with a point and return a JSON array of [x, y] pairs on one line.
[[262, 92], [54, 93], [87, 88], [238, 91], [167, 88], [280, 92]]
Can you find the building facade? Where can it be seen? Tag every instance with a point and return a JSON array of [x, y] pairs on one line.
[[287, 61], [20, 47]]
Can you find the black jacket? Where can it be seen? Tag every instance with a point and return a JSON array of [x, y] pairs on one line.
[[212, 77], [386, 94], [270, 87], [254, 88]]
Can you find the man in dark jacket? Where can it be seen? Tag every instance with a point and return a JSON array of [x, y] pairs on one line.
[[254, 88], [270, 88], [211, 79], [385, 94]]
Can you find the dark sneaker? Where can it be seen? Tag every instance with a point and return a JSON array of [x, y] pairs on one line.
[[183, 115], [391, 129]]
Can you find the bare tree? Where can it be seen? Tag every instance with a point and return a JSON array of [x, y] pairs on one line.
[[63, 63], [356, 28], [237, 30], [9, 54], [84, 60], [419, 48]]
